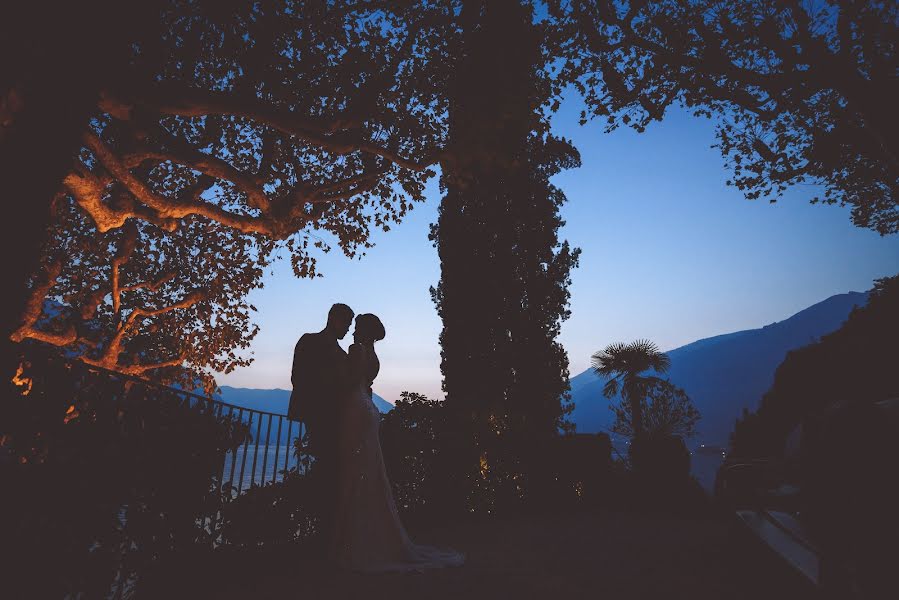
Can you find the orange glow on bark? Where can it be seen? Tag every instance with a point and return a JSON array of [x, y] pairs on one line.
[[22, 382], [71, 413], [485, 467]]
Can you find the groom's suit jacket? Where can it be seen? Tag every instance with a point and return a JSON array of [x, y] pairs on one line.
[[318, 376]]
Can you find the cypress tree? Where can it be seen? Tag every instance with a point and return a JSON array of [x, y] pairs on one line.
[[503, 292]]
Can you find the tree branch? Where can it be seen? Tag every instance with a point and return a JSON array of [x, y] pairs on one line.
[[110, 357], [122, 256], [175, 209], [337, 134], [153, 286], [141, 312], [141, 369], [181, 152], [34, 308]]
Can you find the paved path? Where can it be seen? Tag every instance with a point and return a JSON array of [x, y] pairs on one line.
[[608, 555]]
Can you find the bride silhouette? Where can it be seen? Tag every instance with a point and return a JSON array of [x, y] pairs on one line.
[[368, 534]]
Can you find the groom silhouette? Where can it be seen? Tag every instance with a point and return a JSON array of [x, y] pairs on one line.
[[319, 375]]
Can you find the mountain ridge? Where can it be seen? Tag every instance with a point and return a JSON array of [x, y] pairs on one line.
[[274, 400], [739, 365], [726, 373]]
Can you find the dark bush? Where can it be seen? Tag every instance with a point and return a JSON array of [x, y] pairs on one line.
[[102, 476], [275, 514], [426, 458], [660, 458]]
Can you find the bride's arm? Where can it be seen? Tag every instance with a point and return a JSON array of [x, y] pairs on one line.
[[356, 364]]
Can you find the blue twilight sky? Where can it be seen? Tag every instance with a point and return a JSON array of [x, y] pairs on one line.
[[669, 253]]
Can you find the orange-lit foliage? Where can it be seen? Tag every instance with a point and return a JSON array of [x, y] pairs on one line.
[[71, 414], [21, 381], [271, 128]]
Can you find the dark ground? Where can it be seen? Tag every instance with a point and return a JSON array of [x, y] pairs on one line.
[[615, 555]]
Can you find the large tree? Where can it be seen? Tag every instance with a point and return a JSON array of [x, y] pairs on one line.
[[803, 92], [503, 291], [230, 133]]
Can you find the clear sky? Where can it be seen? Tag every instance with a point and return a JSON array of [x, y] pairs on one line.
[[669, 253]]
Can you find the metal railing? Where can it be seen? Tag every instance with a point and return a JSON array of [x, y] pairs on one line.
[[272, 434], [277, 444]]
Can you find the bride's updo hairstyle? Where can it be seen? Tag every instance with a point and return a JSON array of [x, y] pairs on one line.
[[369, 326]]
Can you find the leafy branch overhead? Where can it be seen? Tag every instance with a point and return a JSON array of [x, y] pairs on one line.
[[804, 92], [237, 134], [267, 122], [228, 134]]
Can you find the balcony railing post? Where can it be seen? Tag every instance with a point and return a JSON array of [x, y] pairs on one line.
[[256, 451], [268, 439], [243, 460], [287, 452], [277, 450]]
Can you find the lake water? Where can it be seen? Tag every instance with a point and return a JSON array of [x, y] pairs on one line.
[[286, 459]]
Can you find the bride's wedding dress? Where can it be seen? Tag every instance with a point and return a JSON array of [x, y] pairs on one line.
[[368, 533]]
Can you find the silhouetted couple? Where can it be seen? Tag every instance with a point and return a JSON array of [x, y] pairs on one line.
[[332, 396]]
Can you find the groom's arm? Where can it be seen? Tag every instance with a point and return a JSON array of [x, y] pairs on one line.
[[298, 361]]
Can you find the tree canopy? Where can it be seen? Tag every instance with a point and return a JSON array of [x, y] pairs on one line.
[[803, 92], [854, 366], [665, 408], [623, 366], [233, 133], [237, 131]]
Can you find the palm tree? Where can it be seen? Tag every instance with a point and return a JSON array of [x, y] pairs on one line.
[[622, 364]]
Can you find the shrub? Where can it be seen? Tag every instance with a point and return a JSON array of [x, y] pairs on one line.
[[274, 514], [102, 477]]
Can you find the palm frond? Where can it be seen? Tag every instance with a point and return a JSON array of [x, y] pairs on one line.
[[630, 359]]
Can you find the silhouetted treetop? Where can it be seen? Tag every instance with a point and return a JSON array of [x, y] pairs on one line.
[[623, 365], [853, 366], [274, 118], [804, 92], [229, 132]]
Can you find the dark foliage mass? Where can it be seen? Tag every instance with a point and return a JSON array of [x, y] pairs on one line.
[[503, 291], [841, 395], [421, 447], [102, 478], [273, 515], [665, 408], [854, 365], [414, 439], [803, 92]]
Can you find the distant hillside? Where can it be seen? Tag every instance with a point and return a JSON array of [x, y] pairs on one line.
[[725, 373], [274, 401]]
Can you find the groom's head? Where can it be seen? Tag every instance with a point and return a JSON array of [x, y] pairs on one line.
[[340, 317]]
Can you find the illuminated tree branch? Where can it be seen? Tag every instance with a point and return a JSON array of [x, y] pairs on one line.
[[34, 309]]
